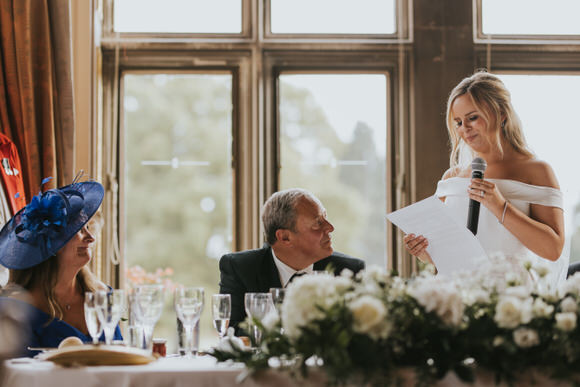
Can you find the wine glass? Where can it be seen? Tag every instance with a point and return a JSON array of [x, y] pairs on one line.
[[91, 317], [110, 306], [148, 306], [221, 307], [258, 305], [278, 299], [188, 304]]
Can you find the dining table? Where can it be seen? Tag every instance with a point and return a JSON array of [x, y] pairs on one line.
[[201, 371], [172, 371]]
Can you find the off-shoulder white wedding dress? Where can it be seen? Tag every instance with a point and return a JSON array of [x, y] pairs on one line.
[[494, 237]]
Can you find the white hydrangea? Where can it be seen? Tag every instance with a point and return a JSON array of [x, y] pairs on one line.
[[569, 305], [440, 296], [370, 317], [512, 311], [305, 295], [566, 321], [526, 337]]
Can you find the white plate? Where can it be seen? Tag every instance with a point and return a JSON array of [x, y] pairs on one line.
[[93, 355]]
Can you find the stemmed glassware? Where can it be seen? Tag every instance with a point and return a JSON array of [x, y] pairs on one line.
[[258, 305], [148, 305], [110, 305], [188, 304], [221, 307], [278, 299], [91, 317]]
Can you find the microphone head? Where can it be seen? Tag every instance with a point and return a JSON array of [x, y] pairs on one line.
[[478, 164]]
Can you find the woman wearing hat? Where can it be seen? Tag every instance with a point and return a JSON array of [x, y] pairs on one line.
[[47, 246]]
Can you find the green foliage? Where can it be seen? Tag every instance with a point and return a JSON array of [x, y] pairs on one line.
[[424, 335]]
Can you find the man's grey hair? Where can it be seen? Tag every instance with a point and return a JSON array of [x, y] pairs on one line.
[[279, 211]]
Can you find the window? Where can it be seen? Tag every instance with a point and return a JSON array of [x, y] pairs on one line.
[[207, 129], [347, 17], [533, 21], [178, 16], [553, 136], [333, 142], [177, 180]]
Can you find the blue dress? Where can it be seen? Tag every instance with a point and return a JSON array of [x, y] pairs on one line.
[[43, 331]]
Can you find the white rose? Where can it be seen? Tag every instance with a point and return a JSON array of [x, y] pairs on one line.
[[368, 313], [441, 297], [526, 337], [570, 286], [569, 305], [305, 297], [566, 321], [478, 295], [518, 291], [542, 309], [511, 311]]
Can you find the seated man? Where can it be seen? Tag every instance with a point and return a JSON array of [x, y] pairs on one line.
[[298, 242]]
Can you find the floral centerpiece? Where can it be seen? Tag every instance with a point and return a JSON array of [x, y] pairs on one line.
[[503, 318]]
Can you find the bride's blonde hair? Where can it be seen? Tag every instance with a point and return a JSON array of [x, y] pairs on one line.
[[490, 96]]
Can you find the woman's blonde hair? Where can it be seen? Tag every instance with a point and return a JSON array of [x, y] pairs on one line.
[[490, 96], [44, 276]]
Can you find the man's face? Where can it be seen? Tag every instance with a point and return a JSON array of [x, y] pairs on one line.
[[311, 238]]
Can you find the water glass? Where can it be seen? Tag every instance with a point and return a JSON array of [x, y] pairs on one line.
[[258, 305], [91, 317], [221, 308], [188, 302], [148, 303], [110, 305]]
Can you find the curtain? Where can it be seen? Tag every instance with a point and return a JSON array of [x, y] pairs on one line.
[[36, 93]]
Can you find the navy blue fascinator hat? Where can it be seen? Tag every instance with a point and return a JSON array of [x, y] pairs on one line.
[[47, 223]]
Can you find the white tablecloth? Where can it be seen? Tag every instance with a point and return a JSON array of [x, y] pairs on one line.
[[176, 372], [198, 372]]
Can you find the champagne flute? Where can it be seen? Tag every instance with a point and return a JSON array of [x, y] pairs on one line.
[[258, 305], [149, 300], [188, 304], [110, 306], [221, 305], [91, 317]]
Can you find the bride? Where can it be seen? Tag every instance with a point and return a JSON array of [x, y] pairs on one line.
[[521, 205]]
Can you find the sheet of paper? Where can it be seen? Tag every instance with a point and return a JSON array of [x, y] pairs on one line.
[[452, 247]]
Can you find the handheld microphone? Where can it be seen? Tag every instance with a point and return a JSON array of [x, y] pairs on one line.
[[478, 166]]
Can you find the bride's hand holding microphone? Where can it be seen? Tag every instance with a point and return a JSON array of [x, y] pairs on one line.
[[486, 192]]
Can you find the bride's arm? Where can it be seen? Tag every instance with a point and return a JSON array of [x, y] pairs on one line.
[[542, 231]]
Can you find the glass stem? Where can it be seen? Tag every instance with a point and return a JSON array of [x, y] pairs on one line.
[[109, 333], [189, 339], [148, 335]]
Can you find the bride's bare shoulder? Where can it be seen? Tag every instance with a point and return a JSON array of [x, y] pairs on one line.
[[537, 172]]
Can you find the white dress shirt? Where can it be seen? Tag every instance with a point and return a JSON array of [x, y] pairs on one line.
[[286, 272]]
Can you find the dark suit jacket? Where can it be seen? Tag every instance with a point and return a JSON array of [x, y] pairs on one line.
[[255, 271]]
